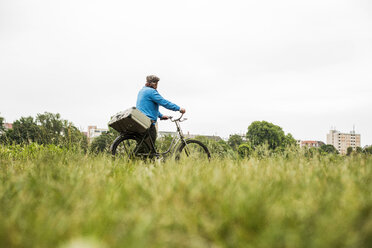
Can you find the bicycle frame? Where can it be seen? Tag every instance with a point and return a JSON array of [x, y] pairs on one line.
[[176, 140], [134, 144]]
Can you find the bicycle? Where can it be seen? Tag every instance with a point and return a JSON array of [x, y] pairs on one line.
[[135, 145]]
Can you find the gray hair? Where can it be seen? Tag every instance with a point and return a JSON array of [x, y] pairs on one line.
[[152, 79]]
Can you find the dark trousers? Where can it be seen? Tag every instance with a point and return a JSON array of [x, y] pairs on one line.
[[150, 140], [153, 135]]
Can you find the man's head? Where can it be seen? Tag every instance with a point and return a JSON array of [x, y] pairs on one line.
[[152, 81]]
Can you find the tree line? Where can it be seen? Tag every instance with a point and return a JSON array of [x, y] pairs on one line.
[[50, 128], [46, 128]]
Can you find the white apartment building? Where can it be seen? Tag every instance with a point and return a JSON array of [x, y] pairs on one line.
[[341, 141], [94, 132]]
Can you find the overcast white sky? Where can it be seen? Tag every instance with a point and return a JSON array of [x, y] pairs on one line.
[[302, 65]]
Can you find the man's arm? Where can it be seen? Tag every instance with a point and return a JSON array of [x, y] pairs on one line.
[[156, 97]]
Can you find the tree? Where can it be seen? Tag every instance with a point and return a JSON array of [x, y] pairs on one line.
[[57, 131], [263, 132], [245, 150], [349, 150], [2, 128], [289, 140], [103, 142], [47, 128], [72, 136], [51, 128], [25, 130], [234, 141], [328, 149], [368, 150], [359, 149]]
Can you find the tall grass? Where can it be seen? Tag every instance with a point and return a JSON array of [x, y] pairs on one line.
[[54, 197]]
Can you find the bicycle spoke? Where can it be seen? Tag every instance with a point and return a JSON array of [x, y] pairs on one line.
[[128, 147], [194, 149]]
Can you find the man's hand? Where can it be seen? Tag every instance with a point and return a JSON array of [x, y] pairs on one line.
[[182, 110], [164, 117]]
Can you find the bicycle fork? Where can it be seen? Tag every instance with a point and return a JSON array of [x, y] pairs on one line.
[[187, 150], [183, 139]]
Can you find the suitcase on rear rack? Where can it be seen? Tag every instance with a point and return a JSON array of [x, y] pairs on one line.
[[130, 120]]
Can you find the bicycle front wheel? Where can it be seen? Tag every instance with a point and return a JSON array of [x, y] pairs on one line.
[[193, 149], [129, 146]]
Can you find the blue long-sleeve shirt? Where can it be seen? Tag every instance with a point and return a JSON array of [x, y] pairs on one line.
[[148, 101]]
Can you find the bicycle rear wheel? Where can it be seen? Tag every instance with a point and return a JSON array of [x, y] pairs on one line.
[[130, 147], [193, 149]]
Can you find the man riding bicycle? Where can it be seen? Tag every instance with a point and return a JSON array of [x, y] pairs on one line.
[[148, 101]]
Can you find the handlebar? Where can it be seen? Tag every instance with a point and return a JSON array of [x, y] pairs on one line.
[[178, 119]]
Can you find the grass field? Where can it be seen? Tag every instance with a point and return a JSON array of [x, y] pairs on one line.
[[50, 197]]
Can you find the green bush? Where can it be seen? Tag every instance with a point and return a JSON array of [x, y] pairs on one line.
[[328, 149], [218, 149], [103, 142], [163, 143], [235, 141], [368, 150], [245, 150]]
